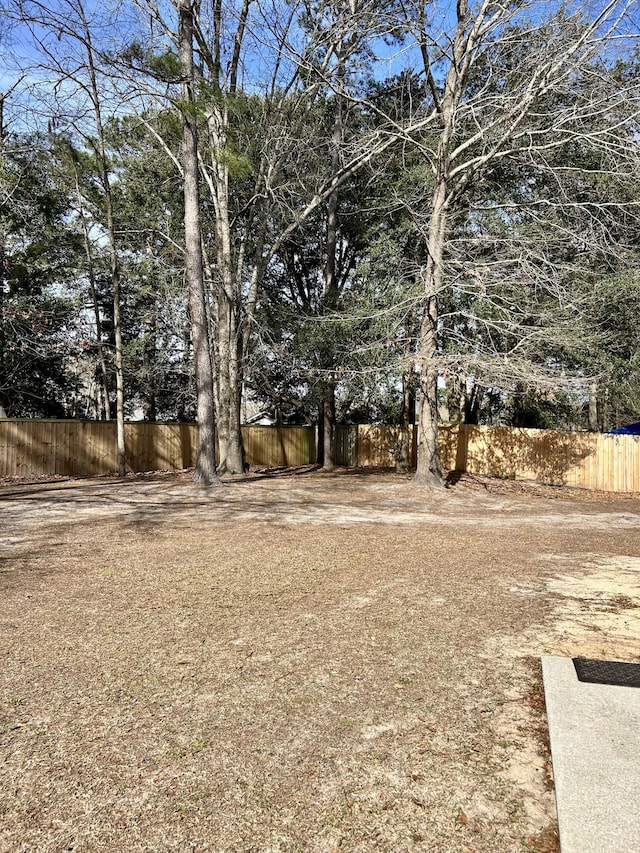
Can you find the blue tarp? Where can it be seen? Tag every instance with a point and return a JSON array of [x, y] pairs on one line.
[[631, 429]]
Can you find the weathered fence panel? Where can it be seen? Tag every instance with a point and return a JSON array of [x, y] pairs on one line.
[[279, 446], [31, 448]]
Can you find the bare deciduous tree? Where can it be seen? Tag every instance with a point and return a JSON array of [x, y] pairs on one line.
[[205, 472], [511, 83]]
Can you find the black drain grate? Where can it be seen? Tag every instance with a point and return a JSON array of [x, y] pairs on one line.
[[607, 672]]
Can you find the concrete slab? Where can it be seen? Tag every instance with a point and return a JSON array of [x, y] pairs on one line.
[[595, 748]]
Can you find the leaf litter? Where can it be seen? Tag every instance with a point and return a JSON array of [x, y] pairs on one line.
[[297, 662]]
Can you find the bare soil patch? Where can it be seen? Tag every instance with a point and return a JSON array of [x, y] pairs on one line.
[[295, 662]]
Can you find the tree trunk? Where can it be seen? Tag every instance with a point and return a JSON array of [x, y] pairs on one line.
[[605, 411], [328, 426], [330, 290], [407, 420], [320, 435], [185, 372], [472, 403], [236, 458], [99, 146], [117, 323], [231, 460], [205, 472], [117, 327], [91, 275], [428, 470], [593, 406], [227, 295], [3, 398], [149, 367], [104, 375]]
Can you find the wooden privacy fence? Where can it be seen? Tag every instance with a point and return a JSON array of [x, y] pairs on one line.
[[31, 448], [88, 448], [607, 462], [586, 460]]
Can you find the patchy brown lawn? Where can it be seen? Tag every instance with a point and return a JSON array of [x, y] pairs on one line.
[[300, 662]]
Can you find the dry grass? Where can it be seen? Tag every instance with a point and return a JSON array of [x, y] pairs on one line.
[[294, 663]]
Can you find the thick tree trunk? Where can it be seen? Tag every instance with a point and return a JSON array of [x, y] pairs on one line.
[[229, 382], [227, 296], [428, 470], [328, 426], [205, 472], [330, 291]]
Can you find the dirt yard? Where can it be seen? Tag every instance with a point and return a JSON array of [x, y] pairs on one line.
[[303, 662]]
